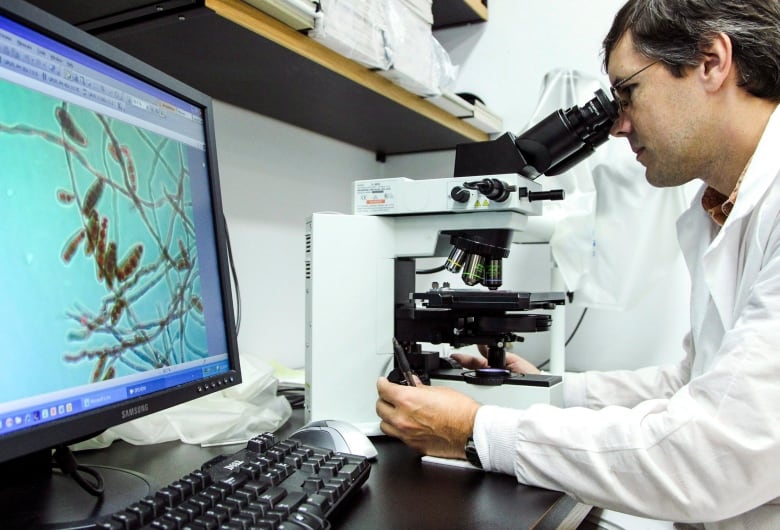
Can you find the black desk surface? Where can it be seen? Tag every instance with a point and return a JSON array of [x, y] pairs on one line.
[[401, 492]]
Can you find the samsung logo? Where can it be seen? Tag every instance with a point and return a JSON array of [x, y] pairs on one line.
[[135, 411]]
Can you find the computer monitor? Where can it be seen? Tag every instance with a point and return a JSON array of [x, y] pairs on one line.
[[115, 297]]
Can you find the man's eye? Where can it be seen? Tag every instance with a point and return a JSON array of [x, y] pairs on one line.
[[626, 92]]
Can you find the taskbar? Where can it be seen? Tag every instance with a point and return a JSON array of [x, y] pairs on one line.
[[68, 406]]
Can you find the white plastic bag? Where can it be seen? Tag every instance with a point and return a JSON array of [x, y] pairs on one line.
[[231, 416], [419, 63]]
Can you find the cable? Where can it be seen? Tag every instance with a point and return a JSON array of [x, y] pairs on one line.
[[430, 271], [576, 327], [66, 462], [295, 394], [232, 265], [543, 365]]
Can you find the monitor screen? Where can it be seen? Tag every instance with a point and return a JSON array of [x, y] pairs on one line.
[[115, 295]]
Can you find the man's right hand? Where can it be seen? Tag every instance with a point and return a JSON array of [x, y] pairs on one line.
[[514, 363]]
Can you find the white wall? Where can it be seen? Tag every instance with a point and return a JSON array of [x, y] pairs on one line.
[[505, 59], [274, 175]]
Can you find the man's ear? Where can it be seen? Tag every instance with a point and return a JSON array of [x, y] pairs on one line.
[[717, 65]]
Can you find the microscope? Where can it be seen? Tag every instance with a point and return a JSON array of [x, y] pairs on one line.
[[361, 270]]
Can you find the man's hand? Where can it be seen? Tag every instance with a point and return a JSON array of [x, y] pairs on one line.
[[514, 363], [435, 421]]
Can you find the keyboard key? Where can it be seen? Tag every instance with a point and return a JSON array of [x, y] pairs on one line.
[[128, 519], [170, 496], [272, 496], [233, 525], [349, 471], [308, 520], [291, 502], [256, 487], [291, 525], [293, 460], [165, 523], [309, 508], [313, 484], [220, 514], [320, 501], [311, 466], [155, 504], [264, 524], [144, 512], [207, 522]]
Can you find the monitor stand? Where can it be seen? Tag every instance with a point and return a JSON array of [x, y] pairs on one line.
[[34, 496]]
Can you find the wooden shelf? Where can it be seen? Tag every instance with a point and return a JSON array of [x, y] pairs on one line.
[[237, 54]]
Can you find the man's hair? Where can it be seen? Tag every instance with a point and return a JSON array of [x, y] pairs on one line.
[[677, 32]]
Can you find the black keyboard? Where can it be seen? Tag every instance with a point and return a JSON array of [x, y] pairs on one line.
[[270, 485]]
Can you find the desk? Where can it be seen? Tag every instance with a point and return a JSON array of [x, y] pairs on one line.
[[401, 491]]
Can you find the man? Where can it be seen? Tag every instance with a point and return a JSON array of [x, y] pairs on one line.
[[697, 83]]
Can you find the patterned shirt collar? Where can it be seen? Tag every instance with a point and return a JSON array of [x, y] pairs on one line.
[[717, 205]]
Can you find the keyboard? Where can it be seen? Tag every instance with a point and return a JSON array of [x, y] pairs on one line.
[[272, 484]]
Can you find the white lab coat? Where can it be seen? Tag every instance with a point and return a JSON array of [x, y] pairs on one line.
[[698, 441]]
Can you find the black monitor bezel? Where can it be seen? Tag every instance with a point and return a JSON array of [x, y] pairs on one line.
[[82, 426]]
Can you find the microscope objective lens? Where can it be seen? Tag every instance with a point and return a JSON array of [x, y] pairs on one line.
[[455, 260], [474, 271], [493, 274]]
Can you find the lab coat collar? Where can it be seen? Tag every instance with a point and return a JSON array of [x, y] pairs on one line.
[[721, 268], [760, 171]]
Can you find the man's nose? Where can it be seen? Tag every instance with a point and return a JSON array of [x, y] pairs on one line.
[[621, 127]]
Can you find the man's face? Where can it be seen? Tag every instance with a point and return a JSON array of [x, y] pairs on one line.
[[663, 117]]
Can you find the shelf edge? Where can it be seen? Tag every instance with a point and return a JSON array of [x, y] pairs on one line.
[[268, 27], [478, 7]]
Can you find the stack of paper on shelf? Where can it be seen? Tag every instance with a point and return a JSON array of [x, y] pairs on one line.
[[393, 37], [485, 119], [355, 30], [298, 14], [421, 8], [418, 62]]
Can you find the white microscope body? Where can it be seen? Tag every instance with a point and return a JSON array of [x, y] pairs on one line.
[[352, 289]]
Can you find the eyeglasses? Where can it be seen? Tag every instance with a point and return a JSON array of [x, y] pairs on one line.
[[622, 96]]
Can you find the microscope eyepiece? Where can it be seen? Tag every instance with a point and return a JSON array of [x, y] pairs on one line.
[[552, 146], [568, 136]]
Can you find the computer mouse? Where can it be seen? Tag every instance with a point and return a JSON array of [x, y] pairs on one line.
[[338, 435]]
